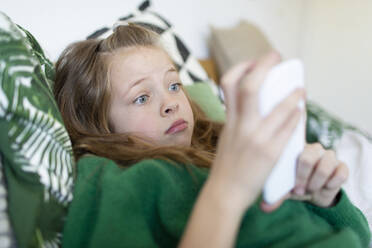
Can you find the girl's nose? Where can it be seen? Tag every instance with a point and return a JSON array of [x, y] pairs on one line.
[[170, 108]]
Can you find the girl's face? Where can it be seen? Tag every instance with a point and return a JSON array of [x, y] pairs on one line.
[[146, 97]]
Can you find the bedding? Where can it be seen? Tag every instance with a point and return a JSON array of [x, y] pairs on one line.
[[37, 160], [6, 232]]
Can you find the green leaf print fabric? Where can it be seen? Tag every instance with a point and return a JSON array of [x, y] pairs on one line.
[[325, 128], [37, 155]]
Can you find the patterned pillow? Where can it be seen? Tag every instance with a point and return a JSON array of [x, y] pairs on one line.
[[323, 127], [37, 155], [189, 68], [6, 233]]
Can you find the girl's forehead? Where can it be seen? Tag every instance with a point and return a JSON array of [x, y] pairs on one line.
[[140, 60]]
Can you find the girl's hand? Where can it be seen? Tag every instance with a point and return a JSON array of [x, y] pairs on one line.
[[250, 145], [320, 174], [247, 150]]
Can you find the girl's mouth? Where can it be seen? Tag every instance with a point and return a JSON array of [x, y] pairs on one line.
[[177, 126]]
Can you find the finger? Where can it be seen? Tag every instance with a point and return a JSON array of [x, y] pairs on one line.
[[324, 197], [274, 122], [254, 80], [251, 84], [339, 177], [308, 159], [323, 171], [229, 85], [267, 208], [307, 197]]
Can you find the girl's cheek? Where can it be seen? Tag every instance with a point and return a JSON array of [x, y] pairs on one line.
[[145, 125]]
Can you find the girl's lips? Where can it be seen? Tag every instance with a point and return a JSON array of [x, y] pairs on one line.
[[177, 127]]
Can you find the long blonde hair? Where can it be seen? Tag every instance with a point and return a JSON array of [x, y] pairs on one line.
[[82, 92]]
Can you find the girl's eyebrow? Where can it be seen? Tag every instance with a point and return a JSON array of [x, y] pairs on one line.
[[137, 82], [171, 69]]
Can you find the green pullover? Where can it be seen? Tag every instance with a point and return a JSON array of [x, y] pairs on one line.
[[149, 203]]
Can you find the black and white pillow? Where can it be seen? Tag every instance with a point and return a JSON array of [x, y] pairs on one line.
[[189, 68]]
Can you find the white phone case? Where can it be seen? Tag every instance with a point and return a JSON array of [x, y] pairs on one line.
[[280, 82]]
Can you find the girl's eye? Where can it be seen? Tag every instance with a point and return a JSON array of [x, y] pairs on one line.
[[141, 99], [175, 87]]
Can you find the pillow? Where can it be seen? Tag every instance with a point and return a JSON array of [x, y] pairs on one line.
[[355, 150], [37, 156], [229, 46], [6, 233], [189, 68], [327, 129]]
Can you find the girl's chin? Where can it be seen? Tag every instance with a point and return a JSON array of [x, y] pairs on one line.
[[177, 141]]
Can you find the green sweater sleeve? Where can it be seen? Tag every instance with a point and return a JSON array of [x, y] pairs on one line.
[[345, 216]]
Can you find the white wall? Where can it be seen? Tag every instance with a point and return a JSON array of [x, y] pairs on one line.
[[57, 23], [279, 20], [337, 51]]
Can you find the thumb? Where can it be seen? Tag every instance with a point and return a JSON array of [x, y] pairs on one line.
[[230, 85], [268, 208]]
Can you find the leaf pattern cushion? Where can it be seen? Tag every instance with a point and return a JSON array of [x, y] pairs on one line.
[[325, 128], [37, 155], [6, 233]]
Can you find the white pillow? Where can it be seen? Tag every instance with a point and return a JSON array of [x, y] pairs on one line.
[[355, 150]]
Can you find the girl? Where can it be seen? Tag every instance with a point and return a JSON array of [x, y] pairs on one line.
[[179, 178]]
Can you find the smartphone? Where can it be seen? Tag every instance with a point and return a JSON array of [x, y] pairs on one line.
[[279, 83]]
